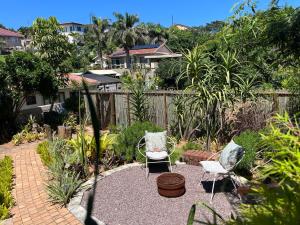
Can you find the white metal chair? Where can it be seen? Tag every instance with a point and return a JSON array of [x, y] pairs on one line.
[[216, 167], [156, 156]]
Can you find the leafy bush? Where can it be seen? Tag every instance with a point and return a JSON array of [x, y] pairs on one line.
[[6, 178], [72, 104], [279, 204], [62, 188], [129, 138], [70, 121], [249, 140], [42, 149], [30, 132], [191, 146], [61, 161], [54, 119]]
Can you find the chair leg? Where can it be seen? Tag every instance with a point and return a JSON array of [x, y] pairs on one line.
[[213, 187], [233, 182], [146, 168], [202, 176]]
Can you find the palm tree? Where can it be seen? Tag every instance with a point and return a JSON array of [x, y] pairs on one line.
[[100, 30], [158, 34], [126, 34]]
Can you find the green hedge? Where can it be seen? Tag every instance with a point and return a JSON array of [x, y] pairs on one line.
[[249, 140], [43, 150], [129, 138], [6, 179]]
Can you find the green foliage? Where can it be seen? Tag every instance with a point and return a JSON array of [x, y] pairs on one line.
[[218, 84], [72, 104], [64, 169], [70, 121], [126, 34], [138, 98], [54, 119], [42, 149], [129, 138], [191, 146], [62, 188], [30, 132], [21, 75], [50, 43], [100, 36], [6, 180], [168, 70], [249, 140], [279, 204]]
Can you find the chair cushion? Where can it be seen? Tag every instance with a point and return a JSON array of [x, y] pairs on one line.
[[213, 167], [230, 155], [157, 155], [156, 142]]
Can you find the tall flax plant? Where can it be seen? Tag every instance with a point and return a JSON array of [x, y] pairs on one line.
[[139, 101], [215, 84], [96, 128], [82, 155]]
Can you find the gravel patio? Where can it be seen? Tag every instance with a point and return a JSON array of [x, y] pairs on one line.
[[128, 198]]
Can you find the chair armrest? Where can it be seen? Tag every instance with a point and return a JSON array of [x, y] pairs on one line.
[[212, 156], [139, 145]]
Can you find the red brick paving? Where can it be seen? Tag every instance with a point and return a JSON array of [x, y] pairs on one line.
[[32, 205]]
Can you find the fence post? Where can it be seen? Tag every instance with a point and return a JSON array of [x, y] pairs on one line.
[[165, 111], [275, 102], [128, 109], [98, 108], [113, 108]]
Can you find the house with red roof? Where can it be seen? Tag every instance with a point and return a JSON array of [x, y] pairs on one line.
[[10, 39], [142, 56]]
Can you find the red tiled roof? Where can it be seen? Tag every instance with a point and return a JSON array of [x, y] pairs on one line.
[[121, 53], [78, 79], [9, 33]]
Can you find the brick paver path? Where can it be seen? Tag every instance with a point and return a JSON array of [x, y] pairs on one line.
[[31, 200]]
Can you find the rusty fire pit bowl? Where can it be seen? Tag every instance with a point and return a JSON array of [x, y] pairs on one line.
[[171, 185]]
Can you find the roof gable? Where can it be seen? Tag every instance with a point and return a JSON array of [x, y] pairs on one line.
[[143, 50], [9, 33]]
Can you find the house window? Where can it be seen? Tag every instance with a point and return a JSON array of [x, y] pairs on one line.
[[71, 28], [78, 28], [31, 100]]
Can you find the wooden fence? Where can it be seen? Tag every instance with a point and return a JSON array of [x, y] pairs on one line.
[[115, 108]]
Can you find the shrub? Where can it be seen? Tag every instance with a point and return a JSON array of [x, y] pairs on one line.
[[54, 119], [6, 178], [70, 121], [278, 204], [129, 138], [191, 146], [249, 140], [42, 149], [62, 188], [61, 161]]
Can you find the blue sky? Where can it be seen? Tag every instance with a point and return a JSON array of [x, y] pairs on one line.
[[16, 13]]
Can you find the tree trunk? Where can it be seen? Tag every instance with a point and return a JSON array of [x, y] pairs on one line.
[[128, 63]]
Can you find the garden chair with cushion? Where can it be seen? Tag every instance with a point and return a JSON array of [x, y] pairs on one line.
[[156, 148], [229, 158]]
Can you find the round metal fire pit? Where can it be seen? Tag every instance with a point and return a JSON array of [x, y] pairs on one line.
[[171, 185]]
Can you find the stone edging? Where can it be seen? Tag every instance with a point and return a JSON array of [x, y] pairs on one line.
[[75, 207]]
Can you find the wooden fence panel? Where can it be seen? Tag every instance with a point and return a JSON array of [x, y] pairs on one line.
[[114, 107]]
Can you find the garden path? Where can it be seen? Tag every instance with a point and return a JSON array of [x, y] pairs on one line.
[[31, 200]]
